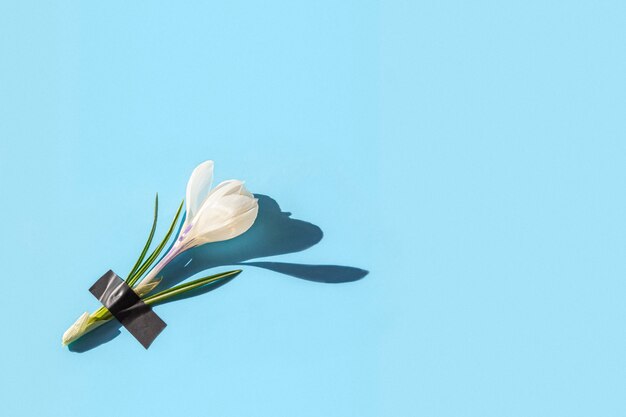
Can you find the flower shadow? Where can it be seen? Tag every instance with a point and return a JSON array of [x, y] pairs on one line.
[[274, 233]]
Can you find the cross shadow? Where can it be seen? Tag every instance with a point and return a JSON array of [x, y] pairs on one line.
[[274, 233]]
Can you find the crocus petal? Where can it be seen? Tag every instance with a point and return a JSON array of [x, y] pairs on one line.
[[230, 228], [227, 200], [198, 188], [228, 211], [220, 211], [229, 187]]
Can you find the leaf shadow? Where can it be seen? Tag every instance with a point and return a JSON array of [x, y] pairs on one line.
[[274, 233]]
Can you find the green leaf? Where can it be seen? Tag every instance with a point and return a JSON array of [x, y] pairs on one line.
[[189, 286], [148, 243], [163, 296], [142, 270]]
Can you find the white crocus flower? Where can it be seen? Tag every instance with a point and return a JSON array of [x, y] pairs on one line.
[[213, 215]]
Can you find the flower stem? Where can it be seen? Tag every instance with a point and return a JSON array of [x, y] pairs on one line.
[[102, 315]]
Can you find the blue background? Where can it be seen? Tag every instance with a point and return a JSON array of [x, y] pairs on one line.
[[470, 155]]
